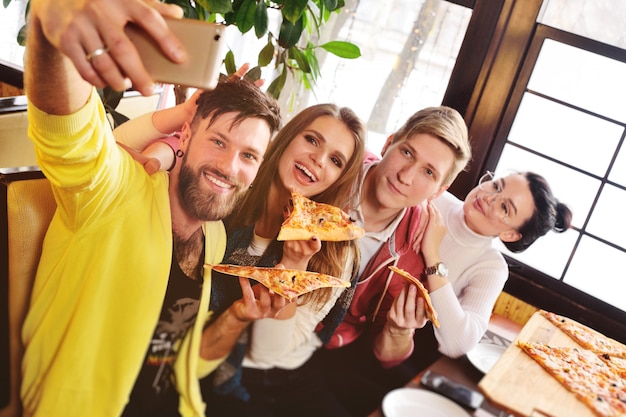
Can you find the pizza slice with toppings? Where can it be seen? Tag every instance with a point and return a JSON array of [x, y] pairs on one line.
[[430, 310], [309, 218], [586, 336], [288, 283], [583, 372]]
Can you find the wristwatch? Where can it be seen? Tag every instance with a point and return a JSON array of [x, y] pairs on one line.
[[439, 269]]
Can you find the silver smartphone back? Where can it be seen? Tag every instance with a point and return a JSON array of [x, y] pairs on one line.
[[204, 43]]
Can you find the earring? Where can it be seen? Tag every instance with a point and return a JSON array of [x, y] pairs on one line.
[[250, 186], [180, 153]]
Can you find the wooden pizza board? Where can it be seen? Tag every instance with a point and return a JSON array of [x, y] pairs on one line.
[[520, 385]]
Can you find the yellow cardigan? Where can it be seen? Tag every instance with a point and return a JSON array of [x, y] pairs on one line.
[[102, 275]]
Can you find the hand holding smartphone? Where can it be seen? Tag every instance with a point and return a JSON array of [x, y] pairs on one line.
[[204, 43]]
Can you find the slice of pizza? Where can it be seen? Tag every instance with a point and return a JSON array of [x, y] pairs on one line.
[[309, 218], [430, 310], [288, 283], [586, 336], [583, 373]]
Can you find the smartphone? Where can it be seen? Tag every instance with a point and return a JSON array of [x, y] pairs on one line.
[[452, 389], [204, 43]]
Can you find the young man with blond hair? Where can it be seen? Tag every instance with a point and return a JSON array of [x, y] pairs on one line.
[[371, 329]]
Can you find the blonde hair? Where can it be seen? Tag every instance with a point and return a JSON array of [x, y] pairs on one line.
[[448, 126]]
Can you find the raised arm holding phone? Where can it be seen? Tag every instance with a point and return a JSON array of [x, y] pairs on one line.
[[117, 321]]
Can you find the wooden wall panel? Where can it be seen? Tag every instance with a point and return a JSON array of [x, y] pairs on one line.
[[513, 308]]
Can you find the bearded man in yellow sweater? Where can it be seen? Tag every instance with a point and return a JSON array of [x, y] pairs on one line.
[[117, 319]]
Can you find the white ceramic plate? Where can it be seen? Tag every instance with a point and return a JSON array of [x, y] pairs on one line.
[[485, 355], [412, 402]]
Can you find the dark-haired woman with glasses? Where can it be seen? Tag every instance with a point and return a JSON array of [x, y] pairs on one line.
[[465, 274], [517, 209]]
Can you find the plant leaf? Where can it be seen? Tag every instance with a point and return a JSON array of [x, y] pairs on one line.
[[110, 100], [215, 6], [229, 63], [293, 9], [253, 74], [342, 49], [267, 53], [188, 10], [110, 97], [230, 17], [118, 118], [277, 85], [260, 19], [21, 36], [281, 58], [313, 62], [244, 15], [300, 58], [289, 33], [331, 4]]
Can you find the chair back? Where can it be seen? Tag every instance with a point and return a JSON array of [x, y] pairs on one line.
[[30, 206]]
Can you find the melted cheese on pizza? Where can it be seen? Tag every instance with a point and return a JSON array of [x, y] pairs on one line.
[[309, 218], [586, 336], [289, 283]]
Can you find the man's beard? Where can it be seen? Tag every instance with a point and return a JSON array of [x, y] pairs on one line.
[[203, 204]]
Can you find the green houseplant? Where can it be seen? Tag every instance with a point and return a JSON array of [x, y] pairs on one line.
[[292, 51]]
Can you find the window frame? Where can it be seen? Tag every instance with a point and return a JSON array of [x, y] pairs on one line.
[[535, 287]]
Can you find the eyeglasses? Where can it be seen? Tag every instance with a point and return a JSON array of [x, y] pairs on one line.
[[499, 208]]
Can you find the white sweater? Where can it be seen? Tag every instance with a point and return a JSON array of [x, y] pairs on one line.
[[477, 272]]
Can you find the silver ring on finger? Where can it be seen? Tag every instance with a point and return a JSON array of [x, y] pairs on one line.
[[100, 51]]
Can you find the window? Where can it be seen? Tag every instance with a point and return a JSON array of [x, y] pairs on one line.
[[409, 49], [569, 125], [12, 19]]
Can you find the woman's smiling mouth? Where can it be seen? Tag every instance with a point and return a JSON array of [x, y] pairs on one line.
[[306, 172]]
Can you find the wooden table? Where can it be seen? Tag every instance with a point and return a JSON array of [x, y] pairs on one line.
[[460, 369]]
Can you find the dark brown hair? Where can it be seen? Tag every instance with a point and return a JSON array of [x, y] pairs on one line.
[[239, 96], [549, 214]]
